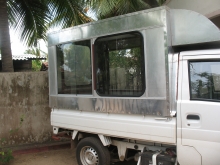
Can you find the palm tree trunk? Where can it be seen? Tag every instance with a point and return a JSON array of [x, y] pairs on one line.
[[5, 43]]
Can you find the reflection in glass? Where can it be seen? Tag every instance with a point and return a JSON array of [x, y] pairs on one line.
[[74, 68], [205, 80], [120, 65]]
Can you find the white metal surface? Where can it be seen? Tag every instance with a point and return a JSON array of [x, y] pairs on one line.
[[154, 158], [74, 134], [55, 130], [143, 128], [198, 139], [197, 53], [106, 140]]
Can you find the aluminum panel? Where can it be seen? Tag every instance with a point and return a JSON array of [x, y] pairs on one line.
[[111, 105], [173, 66], [189, 27], [156, 65], [138, 20], [52, 70]]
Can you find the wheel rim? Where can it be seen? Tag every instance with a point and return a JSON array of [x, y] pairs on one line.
[[89, 156]]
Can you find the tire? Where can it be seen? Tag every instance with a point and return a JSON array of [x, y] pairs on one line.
[[90, 151]]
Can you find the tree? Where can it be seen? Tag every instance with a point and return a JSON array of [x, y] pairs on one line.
[[32, 18], [106, 8], [5, 44], [68, 13]]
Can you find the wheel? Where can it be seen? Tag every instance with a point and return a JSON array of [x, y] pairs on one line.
[[90, 151]]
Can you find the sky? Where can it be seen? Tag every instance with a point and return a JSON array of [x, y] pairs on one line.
[[19, 48]]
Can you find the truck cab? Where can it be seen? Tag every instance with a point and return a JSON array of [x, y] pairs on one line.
[[198, 128]]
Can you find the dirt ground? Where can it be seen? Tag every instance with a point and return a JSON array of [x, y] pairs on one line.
[[53, 157]]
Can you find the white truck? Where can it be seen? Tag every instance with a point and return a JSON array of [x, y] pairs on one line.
[[144, 85]]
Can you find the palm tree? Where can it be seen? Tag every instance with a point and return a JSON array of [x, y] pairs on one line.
[[106, 8], [32, 19], [7, 65], [67, 13]]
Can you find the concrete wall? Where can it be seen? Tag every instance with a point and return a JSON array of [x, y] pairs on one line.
[[24, 96]]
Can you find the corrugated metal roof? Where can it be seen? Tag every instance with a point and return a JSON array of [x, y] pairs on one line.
[[26, 57]]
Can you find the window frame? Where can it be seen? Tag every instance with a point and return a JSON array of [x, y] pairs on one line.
[[189, 79], [143, 77]]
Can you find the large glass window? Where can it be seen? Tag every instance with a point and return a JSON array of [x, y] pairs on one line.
[[120, 65], [205, 80], [74, 68]]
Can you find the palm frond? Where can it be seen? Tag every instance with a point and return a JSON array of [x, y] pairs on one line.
[[106, 8], [67, 13], [29, 18]]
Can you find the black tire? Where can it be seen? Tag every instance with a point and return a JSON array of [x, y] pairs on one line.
[[90, 151]]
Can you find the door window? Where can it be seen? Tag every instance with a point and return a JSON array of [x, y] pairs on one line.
[[204, 80]]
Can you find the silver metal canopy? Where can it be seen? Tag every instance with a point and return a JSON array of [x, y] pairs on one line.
[[187, 27], [162, 28]]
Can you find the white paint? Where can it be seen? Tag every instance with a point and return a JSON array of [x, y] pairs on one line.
[[198, 139], [116, 125]]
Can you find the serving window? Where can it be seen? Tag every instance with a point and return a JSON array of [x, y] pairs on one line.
[[74, 74], [120, 65]]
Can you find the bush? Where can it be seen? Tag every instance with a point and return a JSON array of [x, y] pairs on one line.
[[6, 156], [36, 65]]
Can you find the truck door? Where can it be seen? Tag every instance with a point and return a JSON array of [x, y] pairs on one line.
[[199, 108]]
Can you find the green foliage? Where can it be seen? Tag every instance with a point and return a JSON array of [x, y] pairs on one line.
[[33, 18], [36, 65], [106, 8], [67, 13], [30, 18], [6, 155], [125, 58]]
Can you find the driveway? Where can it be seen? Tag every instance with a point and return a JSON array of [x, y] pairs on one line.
[[52, 157]]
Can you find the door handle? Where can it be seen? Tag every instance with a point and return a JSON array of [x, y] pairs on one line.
[[192, 117]]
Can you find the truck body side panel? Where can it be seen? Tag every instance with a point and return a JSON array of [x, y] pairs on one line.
[[143, 128]]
